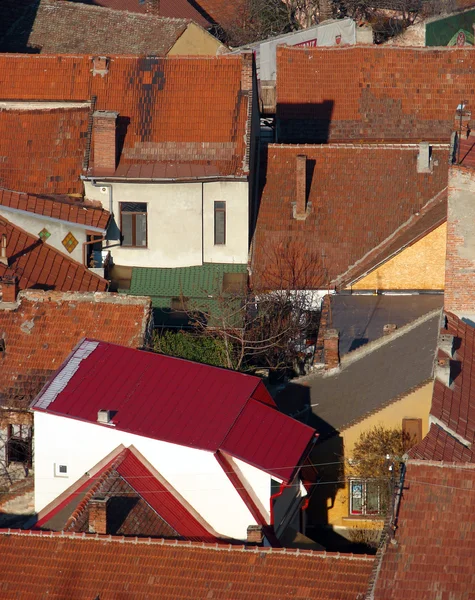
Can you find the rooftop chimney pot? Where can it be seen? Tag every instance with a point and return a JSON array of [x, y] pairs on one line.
[[10, 288], [446, 343], [300, 207], [255, 535], [442, 370], [104, 138]]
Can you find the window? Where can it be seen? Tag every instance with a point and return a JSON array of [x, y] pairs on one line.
[[60, 470], [219, 223], [133, 224], [19, 448], [368, 497]]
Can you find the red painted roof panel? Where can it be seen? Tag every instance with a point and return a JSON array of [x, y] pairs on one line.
[[180, 402]]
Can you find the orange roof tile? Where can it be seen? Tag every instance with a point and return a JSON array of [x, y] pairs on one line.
[[371, 92], [84, 567], [69, 210], [223, 12], [45, 327], [38, 265], [440, 445], [355, 208], [434, 551]]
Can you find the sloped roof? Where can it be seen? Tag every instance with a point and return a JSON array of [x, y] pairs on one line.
[[149, 94], [358, 216], [40, 266], [222, 12], [179, 402], [151, 508], [96, 30], [370, 378], [440, 445], [88, 566], [371, 92], [45, 327], [434, 552], [41, 151], [65, 209]]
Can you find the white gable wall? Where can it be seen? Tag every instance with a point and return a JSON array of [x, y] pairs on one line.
[[195, 474], [180, 222]]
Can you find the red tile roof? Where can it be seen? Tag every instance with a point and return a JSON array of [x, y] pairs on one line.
[[83, 567], [371, 92], [148, 92], [434, 553], [179, 402], [358, 217], [38, 265], [96, 30], [41, 151], [65, 209], [157, 509], [440, 445], [43, 330], [224, 13]]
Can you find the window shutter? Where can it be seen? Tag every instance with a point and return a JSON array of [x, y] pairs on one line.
[[141, 230], [127, 220]]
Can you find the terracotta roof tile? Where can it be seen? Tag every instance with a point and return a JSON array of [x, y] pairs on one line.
[[63, 209], [96, 30], [46, 326], [89, 566], [440, 445], [223, 12], [372, 93], [41, 151], [355, 208], [434, 553]]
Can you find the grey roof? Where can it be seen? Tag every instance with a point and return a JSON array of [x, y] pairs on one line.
[[360, 319], [369, 378]]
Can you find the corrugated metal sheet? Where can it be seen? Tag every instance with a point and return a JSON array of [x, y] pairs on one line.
[[183, 403]]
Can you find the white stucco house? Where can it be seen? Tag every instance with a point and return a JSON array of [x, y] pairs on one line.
[[215, 436]]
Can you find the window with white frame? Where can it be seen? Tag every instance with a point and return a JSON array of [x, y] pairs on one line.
[[368, 497], [133, 224], [219, 223]]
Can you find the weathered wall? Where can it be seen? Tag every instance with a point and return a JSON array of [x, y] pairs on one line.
[[418, 267], [195, 41], [460, 261], [415, 406]]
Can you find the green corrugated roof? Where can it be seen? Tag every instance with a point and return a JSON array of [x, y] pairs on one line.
[[192, 282]]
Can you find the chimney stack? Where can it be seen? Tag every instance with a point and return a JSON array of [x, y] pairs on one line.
[[98, 515], [300, 207], [459, 294], [442, 370], [246, 71], [3, 250], [104, 137], [255, 535], [9, 288], [331, 354]]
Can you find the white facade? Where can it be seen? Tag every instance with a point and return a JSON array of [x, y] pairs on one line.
[[58, 229], [180, 222], [195, 474]]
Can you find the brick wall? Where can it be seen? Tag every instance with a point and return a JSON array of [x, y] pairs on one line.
[[104, 140], [460, 258]]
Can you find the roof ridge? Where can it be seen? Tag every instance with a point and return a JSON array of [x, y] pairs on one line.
[[420, 462], [322, 554]]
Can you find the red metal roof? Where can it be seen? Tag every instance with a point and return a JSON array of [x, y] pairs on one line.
[[177, 401]]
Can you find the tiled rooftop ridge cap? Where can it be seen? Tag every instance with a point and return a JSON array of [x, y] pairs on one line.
[[225, 546], [284, 48], [358, 145], [461, 466], [91, 297]]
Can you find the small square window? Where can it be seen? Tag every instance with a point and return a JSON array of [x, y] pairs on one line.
[[61, 470]]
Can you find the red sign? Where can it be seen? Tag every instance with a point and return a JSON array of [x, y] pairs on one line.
[[308, 44]]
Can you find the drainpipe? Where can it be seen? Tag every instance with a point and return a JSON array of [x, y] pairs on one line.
[[274, 497]]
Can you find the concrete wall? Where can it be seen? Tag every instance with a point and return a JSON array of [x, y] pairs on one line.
[[195, 474], [180, 219], [415, 406], [196, 41], [418, 267], [58, 229]]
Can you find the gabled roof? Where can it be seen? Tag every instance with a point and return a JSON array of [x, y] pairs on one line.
[[440, 445], [358, 216], [40, 266], [41, 151], [371, 92], [151, 506], [179, 402], [62, 208], [370, 378], [45, 327], [434, 549], [89, 566], [96, 30]]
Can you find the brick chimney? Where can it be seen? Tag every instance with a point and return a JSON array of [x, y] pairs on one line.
[[9, 288], [255, 534], [459, 295], [104, 139], [300, 206], [331, 354], [152, 7], [246, 71], [98, 515]]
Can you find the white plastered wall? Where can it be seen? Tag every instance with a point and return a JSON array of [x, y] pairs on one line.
[[58, 229], [259, 482], [195, 474], [180, 222]]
